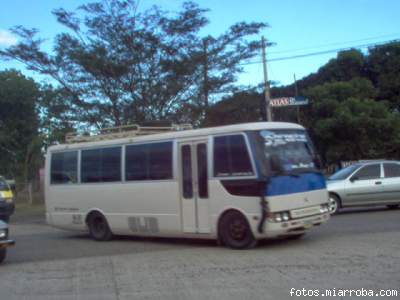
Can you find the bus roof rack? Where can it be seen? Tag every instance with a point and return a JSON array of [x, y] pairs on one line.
[[123, 132]]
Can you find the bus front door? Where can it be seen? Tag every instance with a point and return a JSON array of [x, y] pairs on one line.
[[194, 187]]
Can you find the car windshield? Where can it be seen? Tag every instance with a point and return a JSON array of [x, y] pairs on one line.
[[343, 173], [4, 185], [291, 149]]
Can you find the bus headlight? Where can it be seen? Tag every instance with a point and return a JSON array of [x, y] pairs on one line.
[[281, 216], [285, 216], [3, 233]]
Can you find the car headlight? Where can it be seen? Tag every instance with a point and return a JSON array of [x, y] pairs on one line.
[[3, 233]]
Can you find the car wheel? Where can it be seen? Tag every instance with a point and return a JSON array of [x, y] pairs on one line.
[[334, 204], [393, 206], [235, 231], [98, 227], [3, 253]]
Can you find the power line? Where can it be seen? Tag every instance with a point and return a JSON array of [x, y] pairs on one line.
[[330, 51], [335, 44], [319, 52]]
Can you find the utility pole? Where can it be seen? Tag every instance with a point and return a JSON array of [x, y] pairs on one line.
[[296, 93], [266, 83], [205, 75]]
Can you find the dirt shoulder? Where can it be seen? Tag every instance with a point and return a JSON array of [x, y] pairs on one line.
[[28, 213]]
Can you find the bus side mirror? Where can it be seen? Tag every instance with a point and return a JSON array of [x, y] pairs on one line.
[[276, 163], [318, 161]]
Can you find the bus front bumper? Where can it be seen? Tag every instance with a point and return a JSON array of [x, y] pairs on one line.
[[293, 227]]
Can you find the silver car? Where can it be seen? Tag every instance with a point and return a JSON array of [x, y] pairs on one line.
[[365, 183]]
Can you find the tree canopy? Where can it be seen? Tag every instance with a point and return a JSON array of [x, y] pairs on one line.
[[116, 65], [119, 65], [354, 111], [19, 140]]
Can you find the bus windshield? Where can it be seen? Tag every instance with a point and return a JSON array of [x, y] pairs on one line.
[[289, 151]]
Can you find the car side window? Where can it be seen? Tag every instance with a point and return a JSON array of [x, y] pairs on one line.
[[368, 172], [391, 170]]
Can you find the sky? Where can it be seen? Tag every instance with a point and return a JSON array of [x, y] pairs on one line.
[[295, 26]]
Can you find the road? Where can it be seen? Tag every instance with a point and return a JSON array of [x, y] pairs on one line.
[[356, 249]]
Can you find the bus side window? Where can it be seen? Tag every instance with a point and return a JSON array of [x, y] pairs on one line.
[[202, 172], [101, 165], [231, 157], [187, 172], [64, 167], [149, 161]]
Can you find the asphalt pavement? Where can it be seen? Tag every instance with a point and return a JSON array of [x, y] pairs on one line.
[[358, 249]]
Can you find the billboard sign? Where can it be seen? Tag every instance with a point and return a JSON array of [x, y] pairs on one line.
[[289, 101]]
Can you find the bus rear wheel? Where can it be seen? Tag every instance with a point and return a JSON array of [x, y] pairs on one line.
[[235, 231], [98, 227]]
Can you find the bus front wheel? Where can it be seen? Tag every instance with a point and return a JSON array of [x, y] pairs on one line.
[[235, 232], [98, 227]]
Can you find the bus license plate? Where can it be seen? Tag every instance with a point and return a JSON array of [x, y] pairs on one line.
[[304, 212], [308, 224]]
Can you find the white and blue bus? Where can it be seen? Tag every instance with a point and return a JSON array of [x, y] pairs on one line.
[[237, 184]]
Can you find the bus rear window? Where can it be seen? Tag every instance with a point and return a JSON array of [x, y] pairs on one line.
[[64, 167], [231, 157]]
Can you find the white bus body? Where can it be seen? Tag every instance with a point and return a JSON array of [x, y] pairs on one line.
[[191, 183]]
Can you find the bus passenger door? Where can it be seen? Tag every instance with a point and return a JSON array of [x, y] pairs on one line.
[[194, 187]]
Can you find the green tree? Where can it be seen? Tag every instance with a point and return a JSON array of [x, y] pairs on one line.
[[383, 66], [120, 65], [58, 115], [347, 125], [346, 66], [244, 106], [19, 140]]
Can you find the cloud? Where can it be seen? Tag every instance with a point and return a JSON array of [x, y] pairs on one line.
[[7, 38]]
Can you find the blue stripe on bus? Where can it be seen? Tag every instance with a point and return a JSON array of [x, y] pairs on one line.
[[283, 185]]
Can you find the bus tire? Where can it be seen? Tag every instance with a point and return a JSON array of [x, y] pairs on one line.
[[98, 227], [235, 232], [3, 253]]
